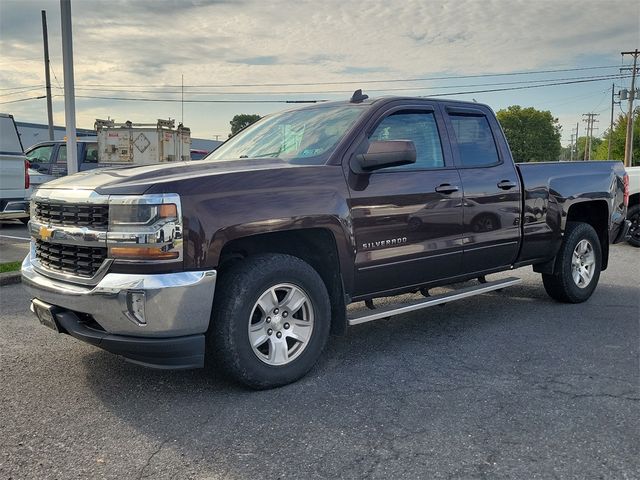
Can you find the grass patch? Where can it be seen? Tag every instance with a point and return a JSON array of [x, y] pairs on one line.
[[10, 267]]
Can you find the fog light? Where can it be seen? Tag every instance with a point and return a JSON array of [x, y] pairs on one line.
[[135, 307]]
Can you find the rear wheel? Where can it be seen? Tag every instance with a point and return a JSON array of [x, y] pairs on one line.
[[634, 230], [270, 321], [578, 265]]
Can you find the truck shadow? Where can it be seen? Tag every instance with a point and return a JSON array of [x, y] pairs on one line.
[[416, 375]]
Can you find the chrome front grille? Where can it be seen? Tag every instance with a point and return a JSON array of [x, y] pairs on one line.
[[70, 259], [94, 216]]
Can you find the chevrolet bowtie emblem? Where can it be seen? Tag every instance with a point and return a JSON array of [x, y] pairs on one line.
[[45, 233]]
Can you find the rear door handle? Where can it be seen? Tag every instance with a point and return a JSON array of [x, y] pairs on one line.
[[446, 188], [506, 185]]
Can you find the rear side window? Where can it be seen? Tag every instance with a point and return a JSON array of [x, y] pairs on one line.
[[474, 141], [421, 129], [40, 154]]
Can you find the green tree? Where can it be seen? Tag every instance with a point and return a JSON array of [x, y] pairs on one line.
[[242, 121], [533, 135], [582, 142], [618, 140]]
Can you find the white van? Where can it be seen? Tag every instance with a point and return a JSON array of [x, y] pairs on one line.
[[14, 172]]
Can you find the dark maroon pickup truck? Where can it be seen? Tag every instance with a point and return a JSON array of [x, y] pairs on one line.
[[251, 256]]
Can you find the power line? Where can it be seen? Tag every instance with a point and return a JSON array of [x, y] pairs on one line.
[[352, 82], [21, 91], [23, 100], [518, 88], [317, 101], [126, 89], [20, 88], [193, 101], [171, 100]]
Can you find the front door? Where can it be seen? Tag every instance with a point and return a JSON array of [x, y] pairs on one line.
[[407, 220]]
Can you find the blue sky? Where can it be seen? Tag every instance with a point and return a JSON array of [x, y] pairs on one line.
[[140, 49]]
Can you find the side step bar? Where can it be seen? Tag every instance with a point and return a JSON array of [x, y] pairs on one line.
[[452, 296]]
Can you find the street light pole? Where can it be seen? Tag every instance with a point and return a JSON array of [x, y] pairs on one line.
[[69, 89]]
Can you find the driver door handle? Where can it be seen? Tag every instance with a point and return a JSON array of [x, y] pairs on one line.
[[446, 188], [506, 185]]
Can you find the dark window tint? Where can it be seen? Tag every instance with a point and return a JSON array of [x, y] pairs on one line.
[[475, 143], [62, 154], [91, 153], [40, 154], [421, 129]]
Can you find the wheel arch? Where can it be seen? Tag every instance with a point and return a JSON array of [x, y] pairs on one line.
[[316, 246], [596, 214]]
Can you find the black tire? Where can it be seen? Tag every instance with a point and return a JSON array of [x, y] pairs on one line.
[[561, 285], [237, 292], [634, 215]]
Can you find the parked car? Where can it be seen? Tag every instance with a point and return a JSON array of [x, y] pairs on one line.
[[251, 256], [633, 213], [48, 160], [14, 174]]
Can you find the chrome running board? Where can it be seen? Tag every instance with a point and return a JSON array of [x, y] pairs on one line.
[[452, 296]]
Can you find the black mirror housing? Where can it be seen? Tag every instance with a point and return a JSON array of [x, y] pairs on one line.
[[386, 153]]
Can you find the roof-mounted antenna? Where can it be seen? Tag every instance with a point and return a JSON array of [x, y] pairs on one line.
[[358, 96]]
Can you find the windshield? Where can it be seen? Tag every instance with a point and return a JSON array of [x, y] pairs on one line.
[[305, 136]]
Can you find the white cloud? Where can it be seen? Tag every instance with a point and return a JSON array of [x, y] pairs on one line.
[[150, 43]]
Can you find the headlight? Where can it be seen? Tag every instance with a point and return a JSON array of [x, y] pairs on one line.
[[140, 215], [145, 228]]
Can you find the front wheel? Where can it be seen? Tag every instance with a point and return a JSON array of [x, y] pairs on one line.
[[270, 320], [634, 230], [578, 265]]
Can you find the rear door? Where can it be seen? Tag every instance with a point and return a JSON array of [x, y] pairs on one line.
[[491, 208], [408, 219]]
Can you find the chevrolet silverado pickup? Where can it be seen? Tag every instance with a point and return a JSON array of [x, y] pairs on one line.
[[250, 257]]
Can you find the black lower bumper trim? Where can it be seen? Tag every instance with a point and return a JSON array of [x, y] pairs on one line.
[[166, 353]]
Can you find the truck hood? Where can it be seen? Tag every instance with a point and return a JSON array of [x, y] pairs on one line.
[[137, 180]]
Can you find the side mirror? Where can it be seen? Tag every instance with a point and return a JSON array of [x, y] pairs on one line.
[[34, 165], [386, 153]]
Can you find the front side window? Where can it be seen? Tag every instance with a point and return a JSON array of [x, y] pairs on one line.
[[40, 155], [474, 141], [306, 136], [421, 129]]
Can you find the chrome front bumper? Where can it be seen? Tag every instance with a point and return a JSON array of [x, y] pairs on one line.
[[156, 306]]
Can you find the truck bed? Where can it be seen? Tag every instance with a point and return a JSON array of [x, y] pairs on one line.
[[551, 188]]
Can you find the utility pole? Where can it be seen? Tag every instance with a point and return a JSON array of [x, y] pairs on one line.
[[571, 148], [590, 120], [69, 89], [613, 104], [577, 130], [47, 74], [628, 144]]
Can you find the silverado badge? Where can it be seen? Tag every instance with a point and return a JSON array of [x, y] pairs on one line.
[[385, 243]]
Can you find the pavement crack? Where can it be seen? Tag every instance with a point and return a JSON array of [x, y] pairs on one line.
[[148, 462]]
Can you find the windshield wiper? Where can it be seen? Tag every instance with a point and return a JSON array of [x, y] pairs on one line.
[[274, 154]]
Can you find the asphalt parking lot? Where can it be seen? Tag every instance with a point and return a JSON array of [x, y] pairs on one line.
[[14, 241], [506, 385]]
